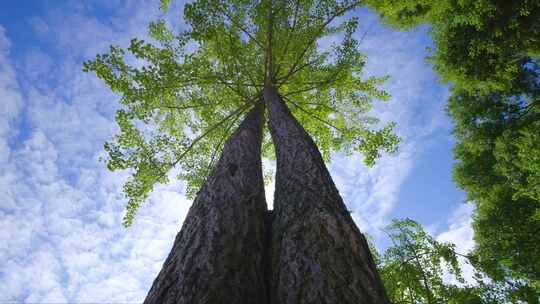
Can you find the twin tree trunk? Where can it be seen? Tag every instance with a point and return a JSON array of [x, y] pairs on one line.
[[232, 250]]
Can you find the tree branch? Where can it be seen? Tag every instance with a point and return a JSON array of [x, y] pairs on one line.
[[283, 79], [208, 131], [319, 84], [239, 63], [186, 107], [336, 14], [269, 68], [313, 115], [289, 36], [243, 29]]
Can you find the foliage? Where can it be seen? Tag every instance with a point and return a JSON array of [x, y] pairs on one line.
[[412, 268], [518, 155], [497, 145], [478, 43], [416, 268], [183, 92]]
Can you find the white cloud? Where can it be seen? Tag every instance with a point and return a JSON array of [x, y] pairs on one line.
[[10, 103], [371, 193], [73, 239], [459, 228], [460, 233]]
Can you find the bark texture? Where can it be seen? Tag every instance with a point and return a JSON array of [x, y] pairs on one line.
[[318, 253], [217, 256]]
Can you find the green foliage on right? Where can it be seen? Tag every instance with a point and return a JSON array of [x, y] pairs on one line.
[[417, 268], [478, 43], [498, 143], [412, 269]]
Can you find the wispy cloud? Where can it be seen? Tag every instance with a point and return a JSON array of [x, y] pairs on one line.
[[11, 102], [460, 233], [416, 105]]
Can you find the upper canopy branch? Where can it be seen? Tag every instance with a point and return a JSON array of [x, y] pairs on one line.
[[269, 65], [222, 139], [310, 42], [316, 84], [313, 115], [208, 131], [289, 37], [241, 28]]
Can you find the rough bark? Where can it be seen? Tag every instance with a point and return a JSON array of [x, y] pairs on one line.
[[318, 253], [217, 256]]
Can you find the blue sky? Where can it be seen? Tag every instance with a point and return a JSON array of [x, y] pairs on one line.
[[61, 238]]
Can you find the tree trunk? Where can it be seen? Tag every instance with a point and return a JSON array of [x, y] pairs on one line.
[[318, 253], [217, 256]]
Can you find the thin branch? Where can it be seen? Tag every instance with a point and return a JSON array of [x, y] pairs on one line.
[[239, 63], [328, 81], [187, 107], [222, 80], [151, 158], [196, 80], [338, 13], [239, 93], [313, 115], [269, 69], [364, 35], [416, 258], [318, 84], [282, 80], [530, 106], [302, 90], [320, 105], [250, 76], [408, 281], [208, 131], [243, 29], [289, 36]]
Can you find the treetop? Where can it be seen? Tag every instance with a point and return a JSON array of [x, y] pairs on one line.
[[184, 91]]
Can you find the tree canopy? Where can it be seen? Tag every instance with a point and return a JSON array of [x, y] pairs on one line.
[[184, 90], [416, 268], [479, 44], [412, 268], [497, 145]]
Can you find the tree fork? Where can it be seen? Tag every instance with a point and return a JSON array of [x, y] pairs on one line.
[[318, 253], [217, 256]]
